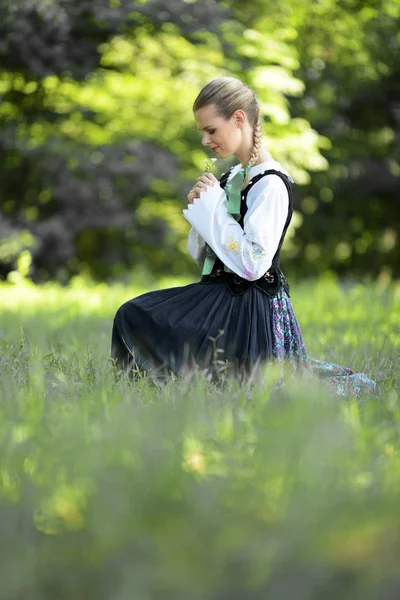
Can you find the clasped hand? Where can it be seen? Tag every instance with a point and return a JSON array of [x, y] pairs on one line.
[[206, 180]]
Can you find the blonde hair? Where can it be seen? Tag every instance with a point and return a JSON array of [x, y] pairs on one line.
[[230, 94]]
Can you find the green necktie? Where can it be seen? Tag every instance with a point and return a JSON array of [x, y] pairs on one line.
[[233, 189]]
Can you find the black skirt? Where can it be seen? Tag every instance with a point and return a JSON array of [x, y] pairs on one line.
[[175, 329], [205, 325]]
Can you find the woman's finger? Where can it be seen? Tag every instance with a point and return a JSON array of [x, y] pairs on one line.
[[192, 195], [202, 187], [212, 177], [205, 181], [207, 178]]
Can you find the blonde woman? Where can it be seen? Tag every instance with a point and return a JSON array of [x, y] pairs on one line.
[[241, 305]]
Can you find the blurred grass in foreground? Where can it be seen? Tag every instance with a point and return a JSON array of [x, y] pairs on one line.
[[195, 491]]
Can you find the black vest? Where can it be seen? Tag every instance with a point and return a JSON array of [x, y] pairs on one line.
[[273, 280]]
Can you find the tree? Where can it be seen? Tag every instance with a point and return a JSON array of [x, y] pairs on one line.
[[99, 146], [350, 63]]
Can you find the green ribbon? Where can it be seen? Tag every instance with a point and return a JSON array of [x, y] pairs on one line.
[[233, 189]]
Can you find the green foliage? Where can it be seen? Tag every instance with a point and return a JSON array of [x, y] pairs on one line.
[[69, 125], [112, 489], [13, 242], [349, 55], [96, 110]]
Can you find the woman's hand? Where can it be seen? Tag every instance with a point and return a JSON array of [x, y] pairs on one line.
[[204, 181]]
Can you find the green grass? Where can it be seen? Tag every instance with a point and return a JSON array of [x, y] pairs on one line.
[[119, 491]]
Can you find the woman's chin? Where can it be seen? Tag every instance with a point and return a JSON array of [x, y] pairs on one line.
[[223, 154]]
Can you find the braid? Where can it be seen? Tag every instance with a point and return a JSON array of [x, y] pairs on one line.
[[257, 137]]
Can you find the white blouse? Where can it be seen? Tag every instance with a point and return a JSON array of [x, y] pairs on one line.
[[247, 251]]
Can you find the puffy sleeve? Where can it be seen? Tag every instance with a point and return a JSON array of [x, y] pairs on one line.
[[247, 251], [196, 246]]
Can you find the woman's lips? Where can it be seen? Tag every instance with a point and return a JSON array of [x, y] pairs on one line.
[[215, 149]]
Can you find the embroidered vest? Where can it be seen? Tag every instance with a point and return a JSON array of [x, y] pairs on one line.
[[273, 280]]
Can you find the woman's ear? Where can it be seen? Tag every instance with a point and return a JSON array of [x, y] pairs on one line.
[[239, 118]]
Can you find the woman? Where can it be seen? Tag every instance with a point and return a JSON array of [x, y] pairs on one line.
[[239, 313]]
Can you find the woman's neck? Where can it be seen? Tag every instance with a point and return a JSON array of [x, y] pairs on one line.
[[263, 156]]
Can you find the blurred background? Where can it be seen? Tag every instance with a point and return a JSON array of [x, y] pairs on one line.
[[99, 147], [195, 491]]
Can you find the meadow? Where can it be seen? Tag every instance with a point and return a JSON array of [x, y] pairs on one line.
[[120, 490]]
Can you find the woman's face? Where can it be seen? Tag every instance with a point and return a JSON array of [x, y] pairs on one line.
[[221, 135]]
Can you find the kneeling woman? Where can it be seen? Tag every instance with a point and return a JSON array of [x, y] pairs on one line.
[[240, 311]]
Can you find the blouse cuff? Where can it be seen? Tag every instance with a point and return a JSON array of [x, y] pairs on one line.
[[196, 246], [200, 213]]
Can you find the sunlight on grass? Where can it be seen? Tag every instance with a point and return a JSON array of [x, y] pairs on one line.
[[196, 488]]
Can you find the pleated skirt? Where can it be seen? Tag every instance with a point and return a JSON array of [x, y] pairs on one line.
[[204, 326]]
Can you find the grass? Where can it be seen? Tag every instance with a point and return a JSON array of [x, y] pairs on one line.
[[116, 491]]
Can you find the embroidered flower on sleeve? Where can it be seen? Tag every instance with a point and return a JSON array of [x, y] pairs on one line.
[[246, 256], [231, 245], [249, 272], [257, 253]]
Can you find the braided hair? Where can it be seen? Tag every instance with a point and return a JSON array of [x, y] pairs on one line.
[[230, 94], [257, 137]]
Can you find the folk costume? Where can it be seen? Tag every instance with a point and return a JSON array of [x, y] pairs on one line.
[[240, 311]]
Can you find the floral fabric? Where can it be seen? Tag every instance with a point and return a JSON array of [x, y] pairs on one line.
[[288, 345]]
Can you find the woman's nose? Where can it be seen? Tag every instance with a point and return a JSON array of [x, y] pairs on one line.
[[206, 139]]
